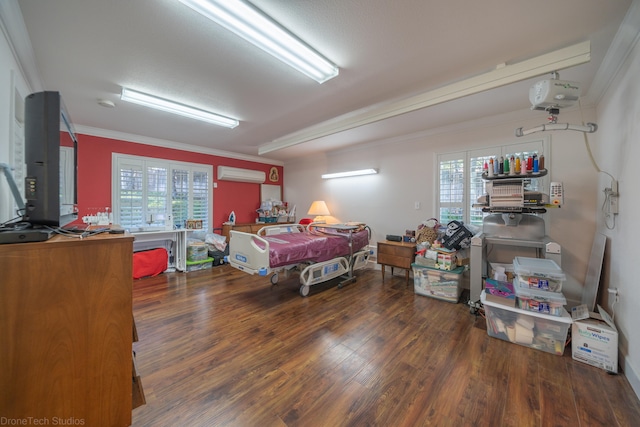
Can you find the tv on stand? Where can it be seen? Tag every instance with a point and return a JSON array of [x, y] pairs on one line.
[[51, 157]]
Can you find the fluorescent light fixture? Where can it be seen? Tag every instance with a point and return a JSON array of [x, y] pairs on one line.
[[502, 75], [176, 108], [349, 173], [248, 22]]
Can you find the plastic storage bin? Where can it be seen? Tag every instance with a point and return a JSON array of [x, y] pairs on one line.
[[197, 251], [538, 273], [199, 265], [445, 285], [539, 301], [530, 329]]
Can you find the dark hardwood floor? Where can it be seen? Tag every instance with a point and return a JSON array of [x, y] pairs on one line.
[[222, 348]]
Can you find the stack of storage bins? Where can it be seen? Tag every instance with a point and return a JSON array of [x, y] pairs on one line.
[[539, 319], [538, 284], [198, 256]]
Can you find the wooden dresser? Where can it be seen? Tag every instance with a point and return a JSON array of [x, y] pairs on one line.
[[251, 227], [396, 254], [66, 331]]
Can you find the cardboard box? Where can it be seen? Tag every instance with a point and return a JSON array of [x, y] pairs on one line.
[[594, 341]]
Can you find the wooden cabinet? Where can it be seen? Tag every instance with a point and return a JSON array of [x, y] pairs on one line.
[[251, 227], [66, 331], [396, 254]]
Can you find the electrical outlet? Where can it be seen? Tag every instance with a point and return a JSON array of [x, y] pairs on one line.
[[615, 292], [417, 205]]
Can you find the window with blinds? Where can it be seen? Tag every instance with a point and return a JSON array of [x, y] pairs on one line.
[[154, 193], [460, 180]]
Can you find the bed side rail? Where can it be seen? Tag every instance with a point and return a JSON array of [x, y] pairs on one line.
[[270, 230], [323, 271]]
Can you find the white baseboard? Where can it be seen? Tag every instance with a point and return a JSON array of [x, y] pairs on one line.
[[632, 376]]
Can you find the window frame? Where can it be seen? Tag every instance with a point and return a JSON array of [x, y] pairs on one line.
[[142, 163], [540, 146]]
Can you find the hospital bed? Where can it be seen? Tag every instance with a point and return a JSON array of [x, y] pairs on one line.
[[319, 252]]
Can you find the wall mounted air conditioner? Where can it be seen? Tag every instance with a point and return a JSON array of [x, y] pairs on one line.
[[227, 173]]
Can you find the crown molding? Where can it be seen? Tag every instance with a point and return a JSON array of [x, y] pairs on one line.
[[138, 139], [625, 40], [15, 31]]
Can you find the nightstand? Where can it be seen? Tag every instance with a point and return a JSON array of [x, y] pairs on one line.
[[396, 254]]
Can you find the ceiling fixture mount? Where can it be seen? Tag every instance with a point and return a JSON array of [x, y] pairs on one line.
[[106, 103], [161, 104], [250, 23], [551, 95]]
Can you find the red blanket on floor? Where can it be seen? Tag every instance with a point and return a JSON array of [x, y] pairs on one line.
[[149, 263]]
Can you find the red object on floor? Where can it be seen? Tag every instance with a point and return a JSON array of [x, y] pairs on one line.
[[149, 263]]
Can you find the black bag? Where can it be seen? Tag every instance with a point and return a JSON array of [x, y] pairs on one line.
[[456, 236], [218, 256]]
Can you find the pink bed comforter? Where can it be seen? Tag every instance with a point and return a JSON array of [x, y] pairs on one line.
[[288, 249]]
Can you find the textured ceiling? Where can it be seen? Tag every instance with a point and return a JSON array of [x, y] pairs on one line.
[[386, 50]]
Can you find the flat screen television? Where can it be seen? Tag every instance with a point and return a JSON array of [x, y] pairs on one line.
[[51, 157]]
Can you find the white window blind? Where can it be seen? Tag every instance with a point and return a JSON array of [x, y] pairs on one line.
[[460, 180], [160, 193], [180, 195], [451, 187]]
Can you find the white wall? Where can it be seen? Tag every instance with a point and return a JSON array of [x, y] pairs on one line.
[[407, 174], [618, 150]]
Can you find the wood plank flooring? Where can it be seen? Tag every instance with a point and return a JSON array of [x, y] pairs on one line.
[[222, 348]]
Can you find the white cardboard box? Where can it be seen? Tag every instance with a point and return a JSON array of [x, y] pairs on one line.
[[595, 341]]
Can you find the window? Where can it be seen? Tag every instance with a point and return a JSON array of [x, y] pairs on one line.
[[160, 193], [460, 182]]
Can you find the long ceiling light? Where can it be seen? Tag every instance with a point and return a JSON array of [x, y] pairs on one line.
[[349, 173], [503, 75], [248, 22], [151, 101]]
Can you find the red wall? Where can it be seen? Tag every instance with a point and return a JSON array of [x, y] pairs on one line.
[[94, 177]]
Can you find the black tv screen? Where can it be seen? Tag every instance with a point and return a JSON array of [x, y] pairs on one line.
[[51, 182]]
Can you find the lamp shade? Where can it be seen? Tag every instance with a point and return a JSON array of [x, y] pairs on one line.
[[319, 208]]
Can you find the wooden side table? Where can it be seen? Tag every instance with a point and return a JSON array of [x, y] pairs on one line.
[[396, 254]]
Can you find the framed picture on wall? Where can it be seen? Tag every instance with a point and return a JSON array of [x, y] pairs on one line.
[[273, 174]]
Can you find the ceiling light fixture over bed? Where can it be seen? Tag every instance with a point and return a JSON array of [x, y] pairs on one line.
[[250, 23]]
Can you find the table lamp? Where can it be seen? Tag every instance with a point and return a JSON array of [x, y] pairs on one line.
[[319, 209]]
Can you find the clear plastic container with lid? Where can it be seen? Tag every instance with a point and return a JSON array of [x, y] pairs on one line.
[[540, 301], [539, 273]]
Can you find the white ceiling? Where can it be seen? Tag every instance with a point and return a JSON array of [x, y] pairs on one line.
[[386, 50]]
